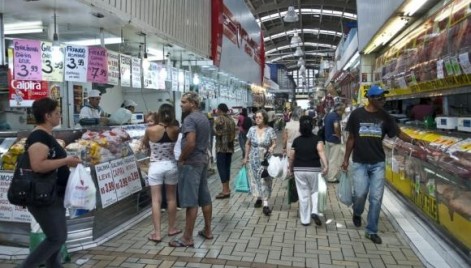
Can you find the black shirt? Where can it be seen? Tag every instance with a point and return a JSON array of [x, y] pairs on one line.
[[306, 154], [55, 152], [368, 130]]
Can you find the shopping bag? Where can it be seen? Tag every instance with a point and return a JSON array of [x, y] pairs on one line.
[[322, 194], [242, 181], [80, 192], [284, 168], [292, 191], [344, 191], [274, 167]]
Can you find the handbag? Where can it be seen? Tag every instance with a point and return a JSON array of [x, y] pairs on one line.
[[29, 188]]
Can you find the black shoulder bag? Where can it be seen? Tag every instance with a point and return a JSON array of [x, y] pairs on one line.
[[29, 188]]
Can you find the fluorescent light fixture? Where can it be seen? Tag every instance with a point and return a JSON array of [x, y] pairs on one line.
[[391, 29], [412, 6], [291, 15], [352, 60], [296, 39], [451, 8], [299, 52], [23, 27], [310, 11], [95, 42]]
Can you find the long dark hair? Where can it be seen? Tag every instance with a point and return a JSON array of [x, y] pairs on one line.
[[305, 126], [166, 114]]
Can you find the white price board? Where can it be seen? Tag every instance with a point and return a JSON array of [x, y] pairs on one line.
[[136, 73], [9, 212], [113, 68], [132, 174], [76, 63], [52, 62], [464, 62], [106, 184], [125, 69], [119, 178]]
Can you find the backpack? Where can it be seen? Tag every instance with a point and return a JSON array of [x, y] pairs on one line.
[[247, 124]]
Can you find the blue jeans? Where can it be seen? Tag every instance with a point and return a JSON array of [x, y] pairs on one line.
[[223, 163], [368, 178]]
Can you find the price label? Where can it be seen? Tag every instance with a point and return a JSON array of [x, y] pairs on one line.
[[113, 68], [125, 70], [27, 60], [136, 73], [76, 63], [97, 65], [132, 174], [120, 178], [52, 60], [106, 184]]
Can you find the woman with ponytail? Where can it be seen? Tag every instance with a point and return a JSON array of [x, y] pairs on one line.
[[161, 139]]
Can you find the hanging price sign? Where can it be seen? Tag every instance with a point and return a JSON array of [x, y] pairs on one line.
[[52, 60], [136, 73], [125, 69], [97, 70], [76, 63], [27, 60], [113, 68]]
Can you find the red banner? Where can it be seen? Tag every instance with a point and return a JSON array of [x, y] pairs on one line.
[[23, 93]]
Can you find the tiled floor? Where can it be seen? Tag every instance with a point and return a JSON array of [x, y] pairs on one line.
[[244, 237]]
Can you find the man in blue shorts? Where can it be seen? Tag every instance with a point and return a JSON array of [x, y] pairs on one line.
[[193, 191]]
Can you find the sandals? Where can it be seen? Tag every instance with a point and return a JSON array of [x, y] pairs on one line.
[[173, 234], [151, 238], [203, 234], [179, 243], [223, 195]]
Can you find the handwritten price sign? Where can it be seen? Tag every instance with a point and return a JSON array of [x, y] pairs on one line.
[[106, 184], [76, 63], [120, 179], [113, 68], [132, 174], [52, 65], [125, 70], [27, 60], [97, 65]]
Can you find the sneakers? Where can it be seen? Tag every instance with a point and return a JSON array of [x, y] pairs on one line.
[[316, 219], [374, 237], [357, 220]]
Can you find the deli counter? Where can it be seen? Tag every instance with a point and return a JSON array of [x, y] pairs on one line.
[[118, 166], [435, 180]]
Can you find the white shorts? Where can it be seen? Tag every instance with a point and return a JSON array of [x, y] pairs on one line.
[[163, 172]]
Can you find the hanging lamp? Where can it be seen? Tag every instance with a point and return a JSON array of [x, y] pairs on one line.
[[296, 39], [291, 15]]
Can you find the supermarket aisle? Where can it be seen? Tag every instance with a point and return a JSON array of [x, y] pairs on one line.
[[244, 237]]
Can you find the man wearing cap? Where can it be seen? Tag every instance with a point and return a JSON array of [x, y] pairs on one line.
[[123, 115], [334, 149], [367, 127], [91, 113]]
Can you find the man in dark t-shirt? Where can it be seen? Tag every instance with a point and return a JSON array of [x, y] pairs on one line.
[[367, 127]]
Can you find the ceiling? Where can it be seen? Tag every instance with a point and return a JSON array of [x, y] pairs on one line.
[[321, 26]]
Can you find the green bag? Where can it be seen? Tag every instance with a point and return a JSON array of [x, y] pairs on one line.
[[242, 181], [36, 238], [292, 191]]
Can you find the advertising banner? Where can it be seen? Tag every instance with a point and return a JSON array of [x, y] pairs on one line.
[[27, 59], [52, 63], [113, 68], [24, 93], [125, 69], [136, 73], [97, 70], [76, 63]]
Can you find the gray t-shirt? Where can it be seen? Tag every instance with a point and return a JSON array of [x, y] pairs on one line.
[[197, 122]]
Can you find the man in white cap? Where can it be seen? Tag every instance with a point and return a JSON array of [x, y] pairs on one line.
[[123, 115], [91, 113]]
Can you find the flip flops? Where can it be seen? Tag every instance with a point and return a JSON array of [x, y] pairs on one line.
[[179, 243], [223, 196], [173, 234], [202, 234], [150, 238]]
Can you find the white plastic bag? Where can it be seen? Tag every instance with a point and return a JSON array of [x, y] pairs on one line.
[[284, 166], [322, 194], [177, 150], [274, 167], [81, 191]]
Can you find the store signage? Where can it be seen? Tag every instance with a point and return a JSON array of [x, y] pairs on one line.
[[136, 75], [464, 62], [52, 63], [132, 174], [24, 93], [113, 68], [119, 176], [174, 79], [151, 75], [125, 70], [97, 70], [76, 63], [27, 59], [9, 212], [106, 184], [187, 81]]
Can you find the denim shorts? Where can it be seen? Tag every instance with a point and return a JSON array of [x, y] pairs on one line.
[[163, 172], [193, 188]]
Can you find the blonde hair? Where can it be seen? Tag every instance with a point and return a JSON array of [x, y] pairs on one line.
[[192, 97]]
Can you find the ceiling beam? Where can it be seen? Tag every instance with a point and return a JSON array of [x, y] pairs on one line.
[[283, 5]]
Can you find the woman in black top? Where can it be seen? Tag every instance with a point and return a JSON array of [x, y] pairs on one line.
[[46, 155], [306, 154]]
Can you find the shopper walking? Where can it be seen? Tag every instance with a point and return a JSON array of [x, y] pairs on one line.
[[244, 123], [306, 155], [261, 139], [224, 129], [46, 155], [333, 141], [193, 188], [367, 127], [291, 130], [161, 139]]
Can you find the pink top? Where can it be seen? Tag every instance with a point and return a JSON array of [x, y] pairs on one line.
[[240, 122]]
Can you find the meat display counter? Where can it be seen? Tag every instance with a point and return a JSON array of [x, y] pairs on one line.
[[113, 158], [436, 181]]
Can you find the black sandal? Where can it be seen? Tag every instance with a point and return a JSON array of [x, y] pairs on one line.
[[267, 211]]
